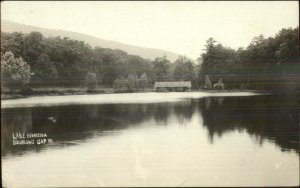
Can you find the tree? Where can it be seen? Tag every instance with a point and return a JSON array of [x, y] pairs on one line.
[[45, 68], [264, 64], [14, 70], [143, 81], [68, 61], [287, 44], [217, 59], [184, 69], [220, 62], [13, 42], [33, 46], [160, 69], [207, 84], [132, 81], [91, 81], [117, 84]]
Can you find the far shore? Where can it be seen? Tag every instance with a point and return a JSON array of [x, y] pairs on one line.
[[118, 98], [59, 91], [53, 91]]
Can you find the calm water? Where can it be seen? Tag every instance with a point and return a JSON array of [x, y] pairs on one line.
[[211, 141]]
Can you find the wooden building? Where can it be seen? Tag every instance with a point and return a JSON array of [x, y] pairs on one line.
[[173, 86]]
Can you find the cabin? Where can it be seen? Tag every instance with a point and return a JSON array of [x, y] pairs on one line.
[[173, 86]]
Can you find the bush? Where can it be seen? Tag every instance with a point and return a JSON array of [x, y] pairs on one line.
[[15, 72], [91, 81]]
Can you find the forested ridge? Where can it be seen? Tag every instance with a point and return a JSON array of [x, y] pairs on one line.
[[266, 64]]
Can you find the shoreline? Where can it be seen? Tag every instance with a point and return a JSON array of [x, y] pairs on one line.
[[6, 95], [116, 98], [9, 95]]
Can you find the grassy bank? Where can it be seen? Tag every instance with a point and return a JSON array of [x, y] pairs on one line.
[[54, 91], [59, 91]]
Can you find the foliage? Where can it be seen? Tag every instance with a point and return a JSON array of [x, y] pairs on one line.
[[117, 84], [58, 61], [160, 69], [14, 71], [184, 69], [266, 64], [91, 81], [44, 68], [132, 83], [218, 60], [207, 84], [143, 82]]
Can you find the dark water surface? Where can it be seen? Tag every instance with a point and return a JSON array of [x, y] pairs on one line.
[[212, 141]]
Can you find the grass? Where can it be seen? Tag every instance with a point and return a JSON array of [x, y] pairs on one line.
[[58, 91], [49, 91]]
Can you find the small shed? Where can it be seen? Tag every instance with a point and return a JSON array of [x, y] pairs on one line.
[[173, 86]]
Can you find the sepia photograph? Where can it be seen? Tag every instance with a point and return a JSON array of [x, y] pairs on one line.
[[150, 94]]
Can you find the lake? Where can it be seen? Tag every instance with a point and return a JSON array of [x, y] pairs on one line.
[[156, 139]]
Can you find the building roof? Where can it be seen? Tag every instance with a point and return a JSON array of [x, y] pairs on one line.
[[173, 84]]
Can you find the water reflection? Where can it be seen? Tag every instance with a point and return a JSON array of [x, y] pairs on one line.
[[272, 118], [275, 118], [65, 124]]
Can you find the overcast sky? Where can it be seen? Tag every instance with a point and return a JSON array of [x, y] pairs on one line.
[[181, 27]]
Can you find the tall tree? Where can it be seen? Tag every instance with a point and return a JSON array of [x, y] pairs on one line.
[[33, 47], [160, 69], [132, 81], [266, 63], [143, 81], [184, 69], [218, 60]]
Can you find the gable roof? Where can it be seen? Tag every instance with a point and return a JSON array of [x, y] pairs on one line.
[[173, 84]]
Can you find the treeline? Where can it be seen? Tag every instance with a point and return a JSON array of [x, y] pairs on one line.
[[64, 62], [266, 64]]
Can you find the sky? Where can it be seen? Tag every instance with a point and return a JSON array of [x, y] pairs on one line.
[[180, 27]]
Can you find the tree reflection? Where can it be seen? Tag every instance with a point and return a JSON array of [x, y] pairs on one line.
[[14, 121], [275, 118], [80, 122]]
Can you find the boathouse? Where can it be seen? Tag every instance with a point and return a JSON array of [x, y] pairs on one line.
[[173, 86]]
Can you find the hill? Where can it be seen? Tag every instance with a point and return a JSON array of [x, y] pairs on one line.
[[147, 53]]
